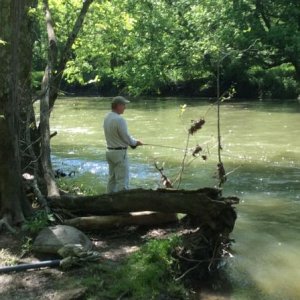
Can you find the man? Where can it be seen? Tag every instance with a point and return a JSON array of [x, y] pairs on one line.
[[117, 141]]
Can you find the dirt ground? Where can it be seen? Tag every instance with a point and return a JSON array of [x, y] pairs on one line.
[[52, 283], [55, 284]]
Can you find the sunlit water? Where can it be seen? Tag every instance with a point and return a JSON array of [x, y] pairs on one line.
[[261, 153]]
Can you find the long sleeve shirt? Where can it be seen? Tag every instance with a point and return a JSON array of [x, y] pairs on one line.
[[116, 131]]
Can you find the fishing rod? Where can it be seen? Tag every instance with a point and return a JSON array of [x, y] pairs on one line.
[[164, 146]]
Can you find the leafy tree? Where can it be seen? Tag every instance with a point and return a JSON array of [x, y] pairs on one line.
[[153, 47], [275, 25]]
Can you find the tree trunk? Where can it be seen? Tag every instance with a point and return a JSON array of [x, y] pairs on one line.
[[205, 204], [104, 222], [52, 189], [296, 65], [11, 195], [51, 83], [13, 76]]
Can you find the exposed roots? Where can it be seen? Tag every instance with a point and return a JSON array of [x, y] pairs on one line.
[[205, 248], [4, 223]]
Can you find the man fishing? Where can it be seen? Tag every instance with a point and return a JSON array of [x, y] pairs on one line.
[[117, 141]]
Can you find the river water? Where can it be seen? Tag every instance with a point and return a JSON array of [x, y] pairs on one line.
[[261, 153]]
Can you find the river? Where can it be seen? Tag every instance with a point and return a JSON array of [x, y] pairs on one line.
[[261, 153]]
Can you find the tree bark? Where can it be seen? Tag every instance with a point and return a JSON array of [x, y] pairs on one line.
[[10, 183], [205, 204], [296, 64], [52, 189], [15, 79], [105, 222], [51, 83]]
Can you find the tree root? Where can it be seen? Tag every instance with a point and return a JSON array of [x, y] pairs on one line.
[[31, 182], [5, 223], [204, 249]]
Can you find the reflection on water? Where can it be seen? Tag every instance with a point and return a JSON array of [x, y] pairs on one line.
[[261, 150]]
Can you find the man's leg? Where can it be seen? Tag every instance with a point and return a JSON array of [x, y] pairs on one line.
[[122, 172], [111, 184]]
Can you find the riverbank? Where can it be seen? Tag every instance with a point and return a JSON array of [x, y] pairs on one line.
[[98, 280]]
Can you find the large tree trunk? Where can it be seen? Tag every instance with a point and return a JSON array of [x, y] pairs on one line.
[[206, 204], [13, 76], [11, 195]]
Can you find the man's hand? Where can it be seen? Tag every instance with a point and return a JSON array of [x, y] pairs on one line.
[[138, 143]]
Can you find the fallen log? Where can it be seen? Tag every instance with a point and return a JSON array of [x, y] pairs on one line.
[[104, 222], [170, 201], [205, 230], [206, 204]]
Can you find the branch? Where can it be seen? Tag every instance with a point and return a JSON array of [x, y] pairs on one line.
[[188, 271], [65, 54], [179, 178], [52, 54], [261, 12]]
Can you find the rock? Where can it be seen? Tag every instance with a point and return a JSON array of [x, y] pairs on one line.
[[52, 238]]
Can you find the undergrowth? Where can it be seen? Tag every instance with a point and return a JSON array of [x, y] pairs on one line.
[[74, 187], [7, 258], [39, 220], [147, 274]]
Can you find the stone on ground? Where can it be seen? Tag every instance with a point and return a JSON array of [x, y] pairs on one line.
[[52, 238]]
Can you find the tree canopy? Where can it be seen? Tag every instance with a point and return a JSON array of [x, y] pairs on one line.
[[166, 47]]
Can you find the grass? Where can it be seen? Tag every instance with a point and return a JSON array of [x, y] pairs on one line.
[[74, 187], [147, 274], [7, 258]]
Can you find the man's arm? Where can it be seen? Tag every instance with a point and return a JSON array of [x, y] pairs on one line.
[[125, 136]]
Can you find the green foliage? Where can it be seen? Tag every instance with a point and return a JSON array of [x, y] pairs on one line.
[[26, 246], [147, 274], [74, 187], [36, 78], [152, 47], [277, 82], [7, 258], [37, 222], [32, 227]]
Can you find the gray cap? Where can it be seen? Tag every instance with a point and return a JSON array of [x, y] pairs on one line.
[[119, 100]]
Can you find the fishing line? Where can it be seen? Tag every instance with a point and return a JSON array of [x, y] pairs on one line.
[[164, 146]]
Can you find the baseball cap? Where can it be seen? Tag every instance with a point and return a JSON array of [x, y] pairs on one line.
[[119, 100]]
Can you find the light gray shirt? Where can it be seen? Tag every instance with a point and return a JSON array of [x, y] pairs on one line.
[[116, 131]]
